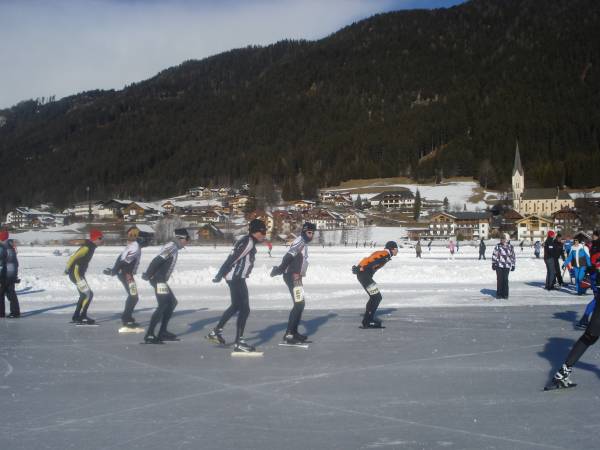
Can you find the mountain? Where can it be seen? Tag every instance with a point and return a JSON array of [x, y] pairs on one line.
[[418, 93]]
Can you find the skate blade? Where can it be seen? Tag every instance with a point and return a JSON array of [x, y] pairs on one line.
[[371, 328], [247, 354], [285, 344], [86, 325], [131, 330], [556, 387]]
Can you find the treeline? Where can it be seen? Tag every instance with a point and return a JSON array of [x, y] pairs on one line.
[[417, 93]]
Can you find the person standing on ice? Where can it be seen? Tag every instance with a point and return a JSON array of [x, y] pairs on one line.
[[579, 259], [9, 269], [549, 253], [364, 272], [418, 248], [293, 267], [481, 249], [158, 273], [429, 245], [76, 269], [537, 248], [236, 268], [125, 268], [503, 262], [452, 248]]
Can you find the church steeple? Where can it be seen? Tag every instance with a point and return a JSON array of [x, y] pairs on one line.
[[518, 178], [518, 167]]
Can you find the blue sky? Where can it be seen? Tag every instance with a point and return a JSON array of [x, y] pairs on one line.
[[62, 47]]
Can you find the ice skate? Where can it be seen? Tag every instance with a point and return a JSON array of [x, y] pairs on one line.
[[216, 336]]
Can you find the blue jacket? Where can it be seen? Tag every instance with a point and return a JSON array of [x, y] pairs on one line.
[[579, 256]]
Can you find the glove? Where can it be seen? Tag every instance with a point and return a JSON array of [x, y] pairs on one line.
[[145, 276], [355, 269], [217, 279], [276, 271], [108, 271], [494, 266], [512, 269], [17, 280]]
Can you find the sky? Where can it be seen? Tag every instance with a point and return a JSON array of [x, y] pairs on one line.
[[63, 47]]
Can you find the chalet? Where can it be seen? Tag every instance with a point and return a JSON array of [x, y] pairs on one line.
[[397, 199], [534, 228], [139, 211], [304, 205], [209, 232], [566, 219], [23, 217], [470, 225], [355, 220], [239, 203]]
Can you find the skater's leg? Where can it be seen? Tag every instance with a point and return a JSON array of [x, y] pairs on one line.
[[505, 274], [15, 310], [85, 296], [233, 308], [372, 290], [132, 297], [244, 308], [162, 299], [170, 307], [294, 284], [550, 274], [559, 278]]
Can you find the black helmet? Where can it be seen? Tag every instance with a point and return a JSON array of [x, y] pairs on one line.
[[308, 226], [182, 233], [389, 245], [257, 225]]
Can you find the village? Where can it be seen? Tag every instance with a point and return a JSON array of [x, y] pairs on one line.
[[218, 215]]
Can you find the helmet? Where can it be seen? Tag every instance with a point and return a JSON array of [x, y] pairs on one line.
[[182, 233], [308, 226], [389, 245], [257, 225]]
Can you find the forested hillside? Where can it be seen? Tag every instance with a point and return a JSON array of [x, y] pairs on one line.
[[418, 93]]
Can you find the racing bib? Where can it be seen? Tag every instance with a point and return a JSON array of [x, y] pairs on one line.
[[372, 289], [162, 288], [298, 294], [132, 288]]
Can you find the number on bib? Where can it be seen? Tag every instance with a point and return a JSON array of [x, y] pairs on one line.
[[162, 288], [372, 289], [132, 288], [298, 294]]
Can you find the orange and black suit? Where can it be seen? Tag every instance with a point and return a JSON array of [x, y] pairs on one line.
[[76, 268], [365, 270]]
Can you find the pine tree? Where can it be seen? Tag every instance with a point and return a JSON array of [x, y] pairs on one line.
[[417, 206]]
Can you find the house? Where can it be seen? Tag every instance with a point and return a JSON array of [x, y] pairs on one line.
[[284, 222], [169, 207], [469, 225], [138, 211], [417, 233], [397, 199], [199, 191], [209, 232], [325, 219], [355, 220], [304, 205], [542, 202], [566, 219], [239, 203], [24, 217], [533, 228], [111, 209]]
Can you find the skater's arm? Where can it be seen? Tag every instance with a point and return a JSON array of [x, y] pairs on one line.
[[154, 266], [240, 249]]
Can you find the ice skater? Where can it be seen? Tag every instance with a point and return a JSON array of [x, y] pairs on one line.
[[9, 276], [293, 267], [125, 268], [364, 272], [482, 248], [76, 269], [594, 271], [236, 268], [562, 378], [158, 273]]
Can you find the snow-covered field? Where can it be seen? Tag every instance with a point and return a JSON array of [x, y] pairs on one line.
[[434, 280]]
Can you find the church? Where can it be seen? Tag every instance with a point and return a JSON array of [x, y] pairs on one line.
[[541, 202]]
